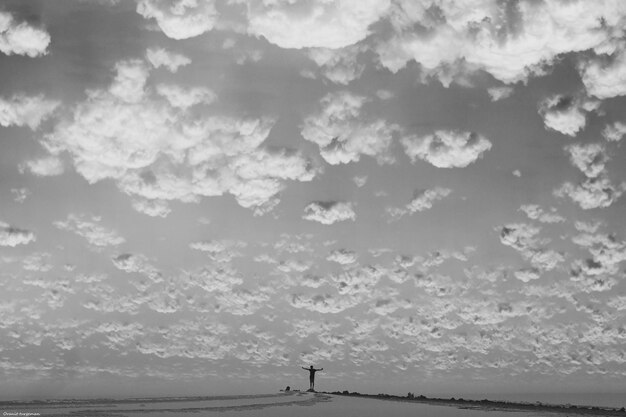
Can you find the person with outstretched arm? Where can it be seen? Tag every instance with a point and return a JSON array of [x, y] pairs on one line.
[[312, 372]]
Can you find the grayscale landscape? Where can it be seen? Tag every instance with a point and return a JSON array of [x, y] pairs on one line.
[[312, 207]]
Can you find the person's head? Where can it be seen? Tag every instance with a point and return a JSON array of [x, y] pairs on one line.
[[311, 366]]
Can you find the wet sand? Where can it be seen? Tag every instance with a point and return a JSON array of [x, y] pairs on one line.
[[302, 404], [504, 406]]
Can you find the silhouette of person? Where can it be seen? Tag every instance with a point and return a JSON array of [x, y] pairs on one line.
[[312, 372]]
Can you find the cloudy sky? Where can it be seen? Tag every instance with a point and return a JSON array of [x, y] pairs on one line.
[[201, 196]]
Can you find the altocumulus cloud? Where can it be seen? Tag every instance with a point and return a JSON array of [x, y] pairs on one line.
[[344, 133], [329, 212], [160, 57], [96, 235], [180, 19], [535, 212], [157, 152], [313, 24], [604, 76], [22, 110], [48, 166], [614, 132], [590, 158], [184, 98], [342, 256], [596, 191], [507, 40], [592, 193], [524, 238], [565, 114], [340, 66], [422, 200], [21, 38], [13, 236], [447, 148]]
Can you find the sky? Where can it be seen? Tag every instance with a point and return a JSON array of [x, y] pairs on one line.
[[202, 196]]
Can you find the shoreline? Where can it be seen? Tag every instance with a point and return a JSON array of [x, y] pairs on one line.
[[491, 405], [100, 406]]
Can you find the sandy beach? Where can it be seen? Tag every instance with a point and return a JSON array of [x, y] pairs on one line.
[[284, 404]]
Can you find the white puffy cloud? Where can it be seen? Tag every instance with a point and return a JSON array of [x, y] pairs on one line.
[[91, 230], [545, 259], [351, 287], [157, 153], [360, 181], [358, 282], [447, 148], [104, 298], [534, 212], [605, 76], [614, 132], [294, 243], [342, 256], [38, 262], [566, 114], [183, 98], [340, 66], [48, 166], [304, 328], [510, 41], [607, 252], [190, 339], [160, 57], [311, 281], [500, 93], [527, 275], [592, 193], [588, 227], [129, 263], [422, 200], [241, 302], [590, 158], [130, 80], [55, 290], [293, 265], [120, 335], [322, 303], [219, 250], [221, 279], [560, 113], [152, 207], [322, 24], [242, 53], [20, 194], [180, 19], [22, 38], [520, 236], [329, 212], [524, 238], [22, 110], [13, 236], [597, 190], [344, 134]]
